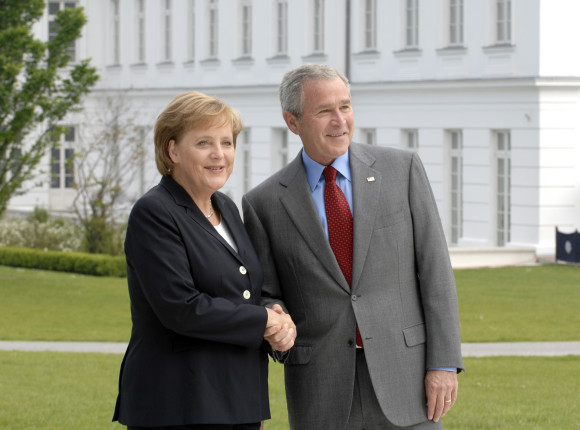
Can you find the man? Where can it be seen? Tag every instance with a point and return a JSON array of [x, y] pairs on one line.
[[362, 268]]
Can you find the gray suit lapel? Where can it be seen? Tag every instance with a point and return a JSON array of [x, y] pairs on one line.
[[366, 187], [297, 201]]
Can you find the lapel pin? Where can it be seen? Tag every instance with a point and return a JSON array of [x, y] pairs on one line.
[[371, 179]]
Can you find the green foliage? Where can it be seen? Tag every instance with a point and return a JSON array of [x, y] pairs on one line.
[[40, 232], [101, 236], [38, 88], [76, 262]]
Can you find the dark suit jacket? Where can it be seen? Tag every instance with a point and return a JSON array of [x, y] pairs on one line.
[[196, 352], [403, 294]]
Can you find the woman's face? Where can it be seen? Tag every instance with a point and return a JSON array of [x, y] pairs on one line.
[[203, 159]]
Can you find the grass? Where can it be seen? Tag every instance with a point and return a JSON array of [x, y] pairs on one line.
[[67, 391], [517, 393], [77, 391], [519, 304], [44, 305], [532, 303]]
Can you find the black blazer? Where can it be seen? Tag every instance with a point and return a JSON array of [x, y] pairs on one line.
[[196, 352]]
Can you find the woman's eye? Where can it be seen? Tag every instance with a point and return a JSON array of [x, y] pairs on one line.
[[203, 143], [227, 143]]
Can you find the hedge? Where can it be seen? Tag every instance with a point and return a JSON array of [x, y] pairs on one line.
[[76, 262]]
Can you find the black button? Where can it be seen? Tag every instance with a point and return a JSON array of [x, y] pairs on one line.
[[350, 342]]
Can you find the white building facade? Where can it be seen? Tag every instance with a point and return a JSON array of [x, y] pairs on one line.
[[487, 91]]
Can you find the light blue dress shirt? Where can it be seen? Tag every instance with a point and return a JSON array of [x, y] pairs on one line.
[[316, 182]]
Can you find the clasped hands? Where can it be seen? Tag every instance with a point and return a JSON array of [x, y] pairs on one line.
[[280, 329]]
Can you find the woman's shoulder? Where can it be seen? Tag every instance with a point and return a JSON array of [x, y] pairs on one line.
[[156, 199]]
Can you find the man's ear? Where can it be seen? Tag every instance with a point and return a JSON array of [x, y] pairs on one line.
[[291, 122]]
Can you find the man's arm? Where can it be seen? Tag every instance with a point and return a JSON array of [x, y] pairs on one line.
[[271, 293]]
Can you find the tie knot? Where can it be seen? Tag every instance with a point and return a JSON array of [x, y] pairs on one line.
[[329, 174]]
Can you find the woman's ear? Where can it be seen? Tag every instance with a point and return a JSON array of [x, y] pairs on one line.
[[172, 150]]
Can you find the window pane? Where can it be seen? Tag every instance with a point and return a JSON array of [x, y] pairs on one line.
[[55, 168], [53, 8]]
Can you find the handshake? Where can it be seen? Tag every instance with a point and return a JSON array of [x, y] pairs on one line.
[[280, 329]]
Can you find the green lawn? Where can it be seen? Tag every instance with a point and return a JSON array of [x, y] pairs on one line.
[[532, 303], [524, 304], [77, 391], [68, 391], [44, 305]]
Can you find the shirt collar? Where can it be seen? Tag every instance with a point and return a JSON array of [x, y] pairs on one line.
[[314, 169]]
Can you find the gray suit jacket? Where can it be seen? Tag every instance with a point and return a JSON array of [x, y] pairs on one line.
[[403, 295]]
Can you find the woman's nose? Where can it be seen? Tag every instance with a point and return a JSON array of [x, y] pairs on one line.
[[217, 151]]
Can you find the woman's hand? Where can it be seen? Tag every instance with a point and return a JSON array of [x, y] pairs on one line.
[[280, 329]]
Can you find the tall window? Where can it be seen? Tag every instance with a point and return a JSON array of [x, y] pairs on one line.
[[62, 161], [369, 136], [412, 24], [282, 27], [141, 156], [318, 26], [455, 22], [246, 17], [503, 190], [166, 26], [456, 156], [140, 31], [191, 31], [503, 32], [116, 31], [411, 139], [53, 8], [247, 161], [370, 24], [280, 149], [212, 39]]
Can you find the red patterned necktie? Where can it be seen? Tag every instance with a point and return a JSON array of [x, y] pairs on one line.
[[339, 220]]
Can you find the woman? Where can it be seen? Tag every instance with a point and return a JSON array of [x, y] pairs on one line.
[[196, 358]]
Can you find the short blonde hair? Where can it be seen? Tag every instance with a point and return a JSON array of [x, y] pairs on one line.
[[186, 112]]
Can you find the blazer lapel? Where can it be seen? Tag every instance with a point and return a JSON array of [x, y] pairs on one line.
[[366, 186], [183, 199], [229, 218], [297, 201]]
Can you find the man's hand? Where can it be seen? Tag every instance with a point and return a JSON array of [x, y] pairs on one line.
[[441, 389], [280, 329]]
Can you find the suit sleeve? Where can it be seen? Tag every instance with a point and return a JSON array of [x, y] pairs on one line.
[[158, 263], [436, 279], [271, 293]]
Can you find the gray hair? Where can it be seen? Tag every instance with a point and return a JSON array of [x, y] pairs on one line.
[[291, 88]]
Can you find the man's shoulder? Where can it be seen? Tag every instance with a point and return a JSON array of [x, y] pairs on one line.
[[380, 151], [274, 183]]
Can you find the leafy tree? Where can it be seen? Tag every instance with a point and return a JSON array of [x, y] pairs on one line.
[[38, 88]]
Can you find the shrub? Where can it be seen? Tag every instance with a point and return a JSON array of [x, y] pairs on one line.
[[77, 262], [37, 231]]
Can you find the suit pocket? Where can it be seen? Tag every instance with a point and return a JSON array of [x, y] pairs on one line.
[[390, 219], [415, 335], [299, 354]]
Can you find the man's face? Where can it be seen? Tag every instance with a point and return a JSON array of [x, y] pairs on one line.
[[327, 122]]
